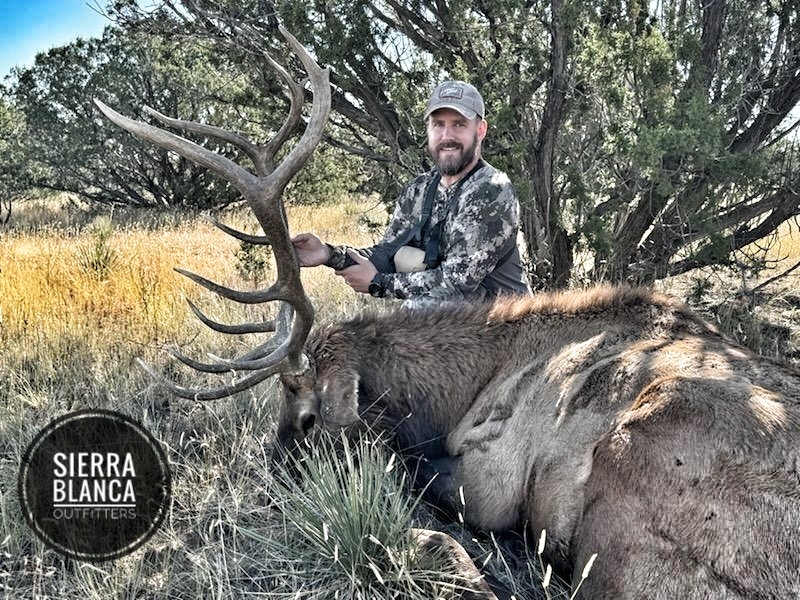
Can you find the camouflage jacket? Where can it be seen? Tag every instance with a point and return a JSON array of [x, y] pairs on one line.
[[477, 247]]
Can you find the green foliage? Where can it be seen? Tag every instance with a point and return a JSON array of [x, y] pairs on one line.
[[67, 147], [329, 177], [12, 125], [657, 168], [347, 514], [64, 144]]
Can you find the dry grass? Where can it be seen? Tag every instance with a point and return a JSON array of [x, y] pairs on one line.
[[47, 288], [786, 247], [82, 296], [760, 310]]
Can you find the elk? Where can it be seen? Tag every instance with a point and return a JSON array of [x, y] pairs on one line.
[[613, 418]]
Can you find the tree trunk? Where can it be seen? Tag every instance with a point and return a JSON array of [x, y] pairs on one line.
[[549, 246]]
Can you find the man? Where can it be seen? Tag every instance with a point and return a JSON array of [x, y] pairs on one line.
[[454, 231]]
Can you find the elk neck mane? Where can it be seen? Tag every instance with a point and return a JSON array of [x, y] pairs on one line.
[[477, 316], [598, 299]]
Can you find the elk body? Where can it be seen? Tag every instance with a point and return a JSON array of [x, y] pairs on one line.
[[614, 418]]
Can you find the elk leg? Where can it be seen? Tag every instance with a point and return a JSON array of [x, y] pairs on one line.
[[437, 478], [440, 547]]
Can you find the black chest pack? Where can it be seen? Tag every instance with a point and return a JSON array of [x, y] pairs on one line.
[[426, 235]]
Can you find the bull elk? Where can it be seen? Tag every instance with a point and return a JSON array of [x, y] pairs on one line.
[[614, 418]]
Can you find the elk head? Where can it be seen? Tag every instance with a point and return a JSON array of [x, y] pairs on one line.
[[283, 353]]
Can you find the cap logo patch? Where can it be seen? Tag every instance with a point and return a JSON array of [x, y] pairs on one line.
[[451, 92]]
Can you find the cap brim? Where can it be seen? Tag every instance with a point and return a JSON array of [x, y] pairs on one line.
[[466, 112]]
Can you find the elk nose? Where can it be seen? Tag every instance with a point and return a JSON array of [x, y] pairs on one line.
[[304, 422], [294, 429]]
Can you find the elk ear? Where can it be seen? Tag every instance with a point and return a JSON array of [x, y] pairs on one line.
[[339, 398]]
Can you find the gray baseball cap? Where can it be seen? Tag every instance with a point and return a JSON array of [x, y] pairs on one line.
[[458, 95]]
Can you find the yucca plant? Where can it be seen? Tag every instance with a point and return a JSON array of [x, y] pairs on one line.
[[99, 258], [347, 517]]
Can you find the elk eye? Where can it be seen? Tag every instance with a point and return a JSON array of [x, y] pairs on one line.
[[307, 423]]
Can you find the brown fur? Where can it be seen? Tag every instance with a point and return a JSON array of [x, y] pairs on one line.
[[614, 418]]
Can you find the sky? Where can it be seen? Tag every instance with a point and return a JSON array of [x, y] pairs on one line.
[[28, 27]]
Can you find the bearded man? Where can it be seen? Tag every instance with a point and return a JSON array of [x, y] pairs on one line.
[[453, 234]]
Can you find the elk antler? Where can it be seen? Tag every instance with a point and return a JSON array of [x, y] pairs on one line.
[[284, 352]]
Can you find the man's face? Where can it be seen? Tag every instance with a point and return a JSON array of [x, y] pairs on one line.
[[454, 141]]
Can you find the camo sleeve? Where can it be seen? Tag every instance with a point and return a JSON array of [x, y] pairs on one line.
[[480, 228], [406, 216]]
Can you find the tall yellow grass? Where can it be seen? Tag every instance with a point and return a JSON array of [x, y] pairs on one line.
[[785, 249], [45, 290]]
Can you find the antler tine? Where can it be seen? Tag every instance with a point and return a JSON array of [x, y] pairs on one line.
[[223, 365], [249, 148], [263, 194], [262, 327], [239, 235], [263, 157], [320, 83], [297, 99], [281, 325], [274, 292], [196, 364], [211, 393], [244, 181]]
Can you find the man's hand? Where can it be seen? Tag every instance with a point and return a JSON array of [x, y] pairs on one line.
[[359, 275], [310, 250]]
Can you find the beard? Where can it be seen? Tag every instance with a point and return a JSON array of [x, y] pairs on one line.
[[453, 164]]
